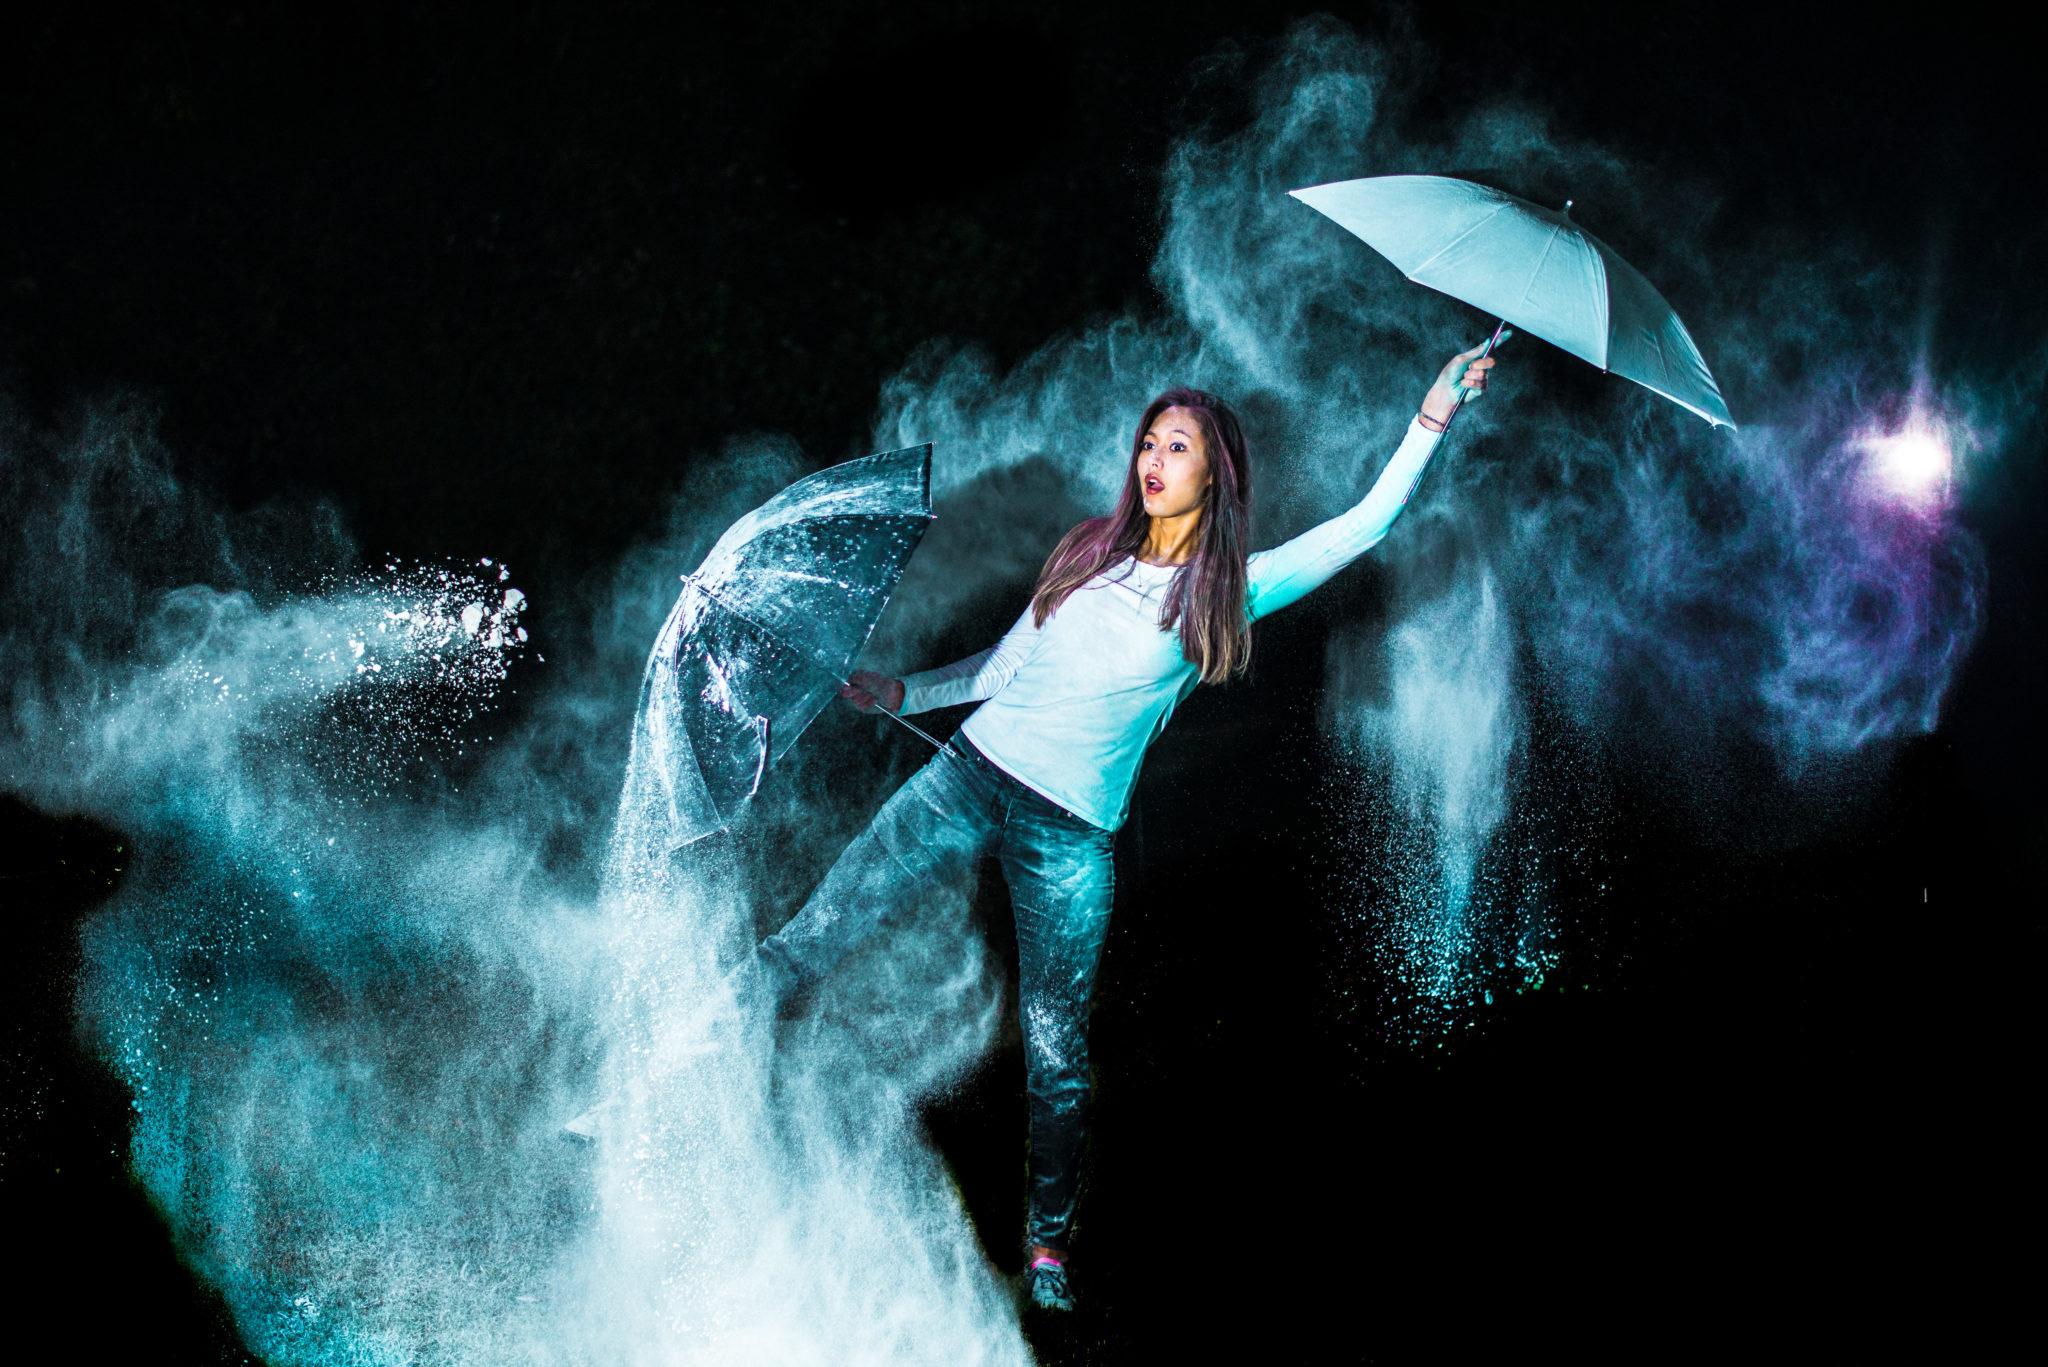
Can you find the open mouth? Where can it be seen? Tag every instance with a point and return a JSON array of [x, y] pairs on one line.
[[1153, 484]]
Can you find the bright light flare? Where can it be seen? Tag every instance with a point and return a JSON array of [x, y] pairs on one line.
[[1913, 465]]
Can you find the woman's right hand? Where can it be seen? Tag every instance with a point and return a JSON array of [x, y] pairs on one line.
[[1467, 368], [867, 690]]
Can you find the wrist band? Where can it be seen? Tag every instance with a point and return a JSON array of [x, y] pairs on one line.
[[1431, 423]]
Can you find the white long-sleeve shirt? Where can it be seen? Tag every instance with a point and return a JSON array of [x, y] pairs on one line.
[[1071, 707]]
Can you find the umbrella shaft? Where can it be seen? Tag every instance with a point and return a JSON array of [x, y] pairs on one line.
[[914, 729], [1464, 393]]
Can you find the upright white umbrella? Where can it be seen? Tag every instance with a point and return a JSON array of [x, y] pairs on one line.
[[1529, 266]]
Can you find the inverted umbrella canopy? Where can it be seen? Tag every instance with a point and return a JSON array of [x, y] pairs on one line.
[[1533, 267], [765, 629]]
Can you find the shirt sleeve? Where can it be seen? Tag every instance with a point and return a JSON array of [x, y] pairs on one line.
[[1289, 571], [974, 678]]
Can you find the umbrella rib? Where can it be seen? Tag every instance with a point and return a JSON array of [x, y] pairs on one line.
[[1430, 260], [808, 657], [1529, 288]]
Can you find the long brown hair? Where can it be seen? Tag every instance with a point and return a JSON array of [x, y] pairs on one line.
[[1207, 596]]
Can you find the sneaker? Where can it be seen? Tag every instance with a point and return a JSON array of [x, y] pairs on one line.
[[1049, 1290]]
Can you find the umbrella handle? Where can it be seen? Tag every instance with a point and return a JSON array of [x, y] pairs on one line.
[[1459, 389]]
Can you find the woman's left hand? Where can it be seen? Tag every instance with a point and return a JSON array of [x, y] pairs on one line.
[[1442, 399]]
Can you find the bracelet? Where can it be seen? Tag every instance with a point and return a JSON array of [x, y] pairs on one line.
[[1431, 423]]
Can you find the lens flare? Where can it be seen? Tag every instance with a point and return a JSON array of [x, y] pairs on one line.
[[1913, 465]]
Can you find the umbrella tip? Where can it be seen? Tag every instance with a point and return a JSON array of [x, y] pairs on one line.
[[1568, 205]]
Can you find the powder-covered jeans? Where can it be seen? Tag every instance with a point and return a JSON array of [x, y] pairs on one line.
[[958, 809]]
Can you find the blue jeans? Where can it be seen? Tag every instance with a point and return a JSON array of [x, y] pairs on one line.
[[955, 811]]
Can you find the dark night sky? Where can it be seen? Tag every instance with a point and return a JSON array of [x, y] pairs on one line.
[[489, 280]]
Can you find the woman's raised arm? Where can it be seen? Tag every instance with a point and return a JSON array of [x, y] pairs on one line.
[[1291, 570]]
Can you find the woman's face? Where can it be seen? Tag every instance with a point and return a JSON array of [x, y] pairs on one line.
[[1173, 464]]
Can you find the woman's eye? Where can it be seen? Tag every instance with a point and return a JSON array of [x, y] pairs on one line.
[[1180, 446]]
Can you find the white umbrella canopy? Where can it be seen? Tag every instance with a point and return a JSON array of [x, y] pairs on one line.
[[1531, 266]]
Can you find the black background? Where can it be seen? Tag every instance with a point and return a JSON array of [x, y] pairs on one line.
[[427, 262]]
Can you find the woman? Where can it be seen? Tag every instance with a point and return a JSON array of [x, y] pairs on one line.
[[1129, 614]]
